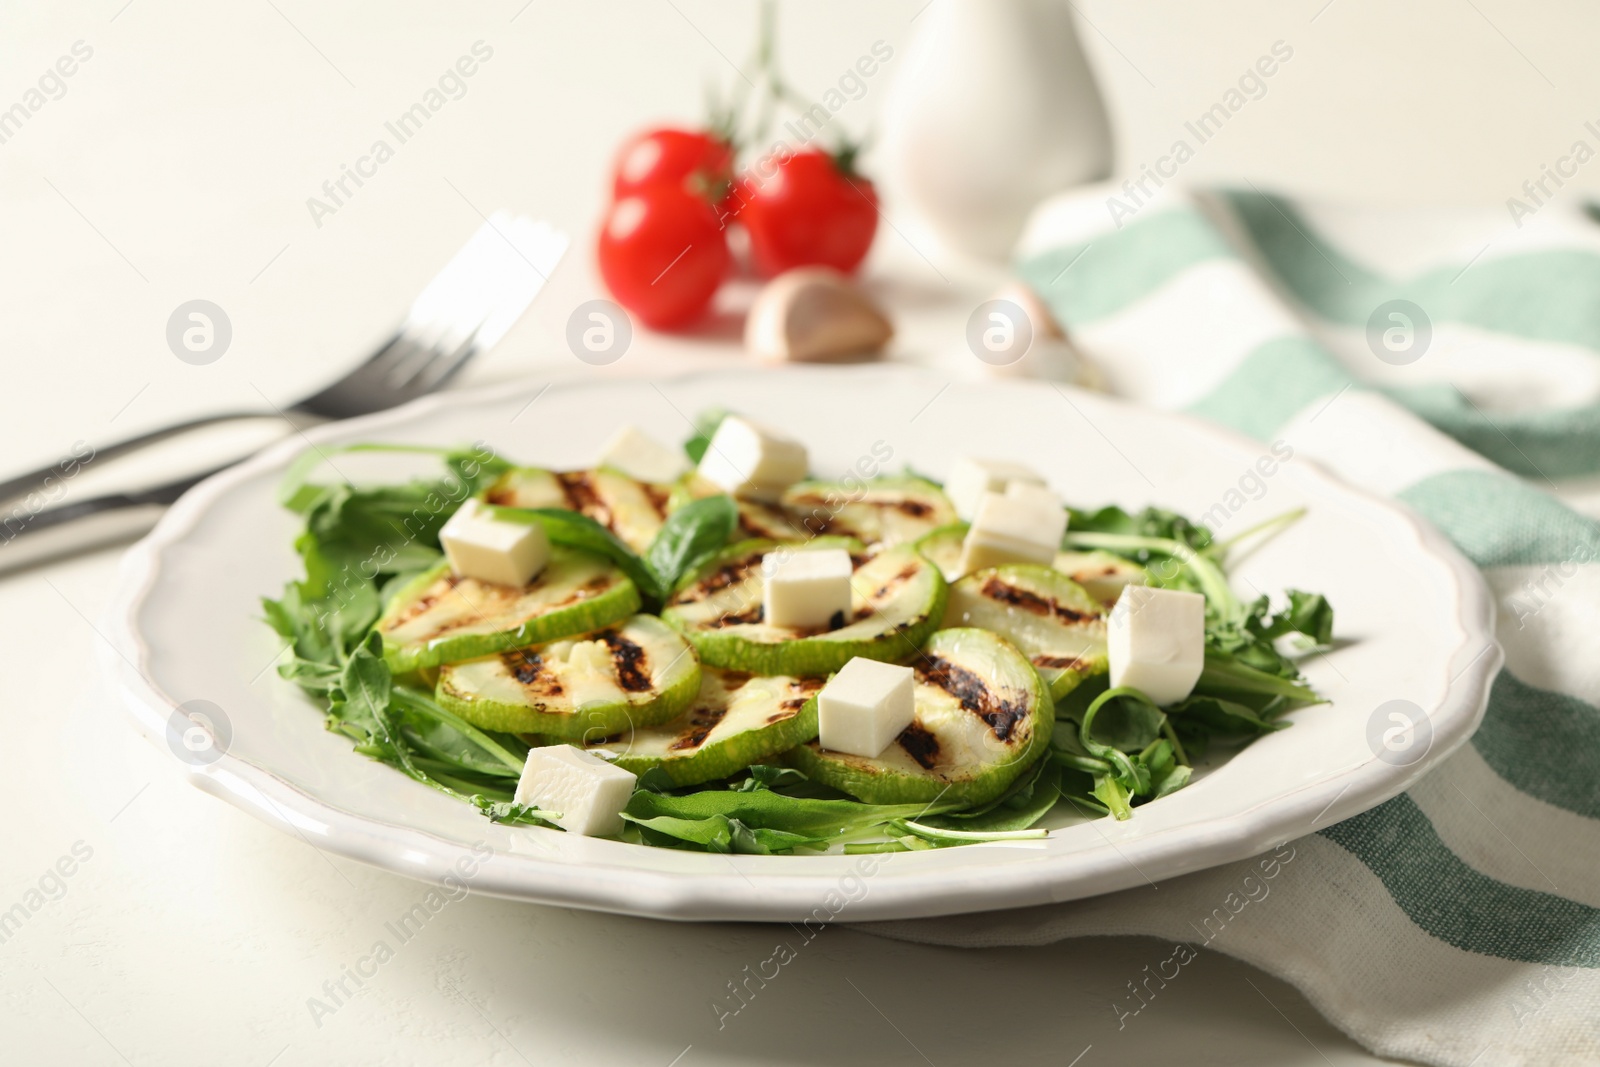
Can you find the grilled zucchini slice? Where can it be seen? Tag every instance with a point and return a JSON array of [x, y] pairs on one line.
[[942, 548], [983, 717], [438, 618], [1050, 618], [629, 508], [736, 720], [888, 511], [1103, 574], [897, 599], [635, 674]]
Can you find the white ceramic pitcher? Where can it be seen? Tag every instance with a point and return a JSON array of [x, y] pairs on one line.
[[993, 109]]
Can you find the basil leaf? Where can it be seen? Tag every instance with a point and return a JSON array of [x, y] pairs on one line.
[[705, 424], [690, 536]]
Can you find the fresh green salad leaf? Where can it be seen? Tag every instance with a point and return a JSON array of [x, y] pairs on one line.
[[1028, 800], [690, 536], [705, 819], [1153, 523], [705, 425]]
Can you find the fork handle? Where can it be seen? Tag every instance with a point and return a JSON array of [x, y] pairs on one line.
[[33, 481], [66, 530]]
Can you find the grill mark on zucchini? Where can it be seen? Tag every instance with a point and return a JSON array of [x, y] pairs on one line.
[[582, 496], [739, 618], [907, 573], [792, 706], [633, 668], [599, 583], [808, 688], [523, 665], [974, 694], [657, 496], [1071, 663], [1029, 601], [920, 745], [759, 521], [719, 579], [423, 603], [530, 672], [701, 722]]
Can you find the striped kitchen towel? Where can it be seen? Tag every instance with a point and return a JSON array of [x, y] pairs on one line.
[[1453, 361]]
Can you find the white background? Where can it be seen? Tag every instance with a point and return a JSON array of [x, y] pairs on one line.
[[177, 166]]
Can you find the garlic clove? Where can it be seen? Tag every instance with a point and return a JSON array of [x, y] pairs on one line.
[[813, 314]]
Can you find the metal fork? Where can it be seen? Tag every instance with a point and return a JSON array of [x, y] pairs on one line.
[[467, 307]]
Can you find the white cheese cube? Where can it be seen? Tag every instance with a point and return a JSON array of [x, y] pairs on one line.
[[807, 589], [864, 707], [971, 478], [481, 546], [638, 455], [1022, 525], [1157, 641], [588, 792], [747, 459]]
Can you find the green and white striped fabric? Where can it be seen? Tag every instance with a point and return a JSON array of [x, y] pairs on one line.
[[1458, 923]]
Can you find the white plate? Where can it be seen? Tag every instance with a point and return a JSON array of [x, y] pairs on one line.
[[186, 626]]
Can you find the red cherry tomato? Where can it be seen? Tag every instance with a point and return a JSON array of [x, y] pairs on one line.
[[803, 210], [662, 254], [670, 156]]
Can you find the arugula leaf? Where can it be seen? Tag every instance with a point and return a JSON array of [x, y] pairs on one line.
[[719, 833], [1130, 773], [1217, 717], [945, 836], [1227, 676], [1108, 790], [1307, 614], [512, 813], [1174, 780], [1150, 523], [804, 819], [763, 776], [449, 738], [1017, 810], [474, 467], [1129, 723], [690, 536]]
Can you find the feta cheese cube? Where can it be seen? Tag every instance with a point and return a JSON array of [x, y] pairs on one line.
[[1157, 641], [588, 792], [747, 459], [806, 588], [971, 478], [481, 546], [1022, 525], [864, 707], [638, 455]]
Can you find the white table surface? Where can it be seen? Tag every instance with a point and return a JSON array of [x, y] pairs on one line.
[[177, 166]]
